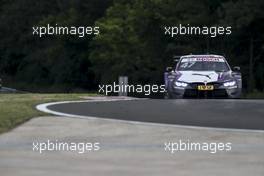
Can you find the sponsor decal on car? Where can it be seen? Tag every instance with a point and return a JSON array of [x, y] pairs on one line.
[[203, 59]]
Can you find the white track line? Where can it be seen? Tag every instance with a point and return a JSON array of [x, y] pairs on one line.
[[44, 108]]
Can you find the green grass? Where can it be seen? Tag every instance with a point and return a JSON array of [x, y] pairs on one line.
[[16, 109]]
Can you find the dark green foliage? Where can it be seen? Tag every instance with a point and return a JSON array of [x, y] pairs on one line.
[[50, 61], [131, 40]]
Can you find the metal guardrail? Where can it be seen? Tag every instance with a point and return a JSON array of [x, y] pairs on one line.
[[10, 90], [6, 89]]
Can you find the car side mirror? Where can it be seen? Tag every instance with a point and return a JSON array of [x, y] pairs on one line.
[[176, 60], [236, 69], [169, 69]]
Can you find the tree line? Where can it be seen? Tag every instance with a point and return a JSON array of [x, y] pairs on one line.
[[131, 41]]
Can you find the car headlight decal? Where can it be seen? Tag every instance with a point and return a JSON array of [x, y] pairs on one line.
[[230, 83], [180, 84]]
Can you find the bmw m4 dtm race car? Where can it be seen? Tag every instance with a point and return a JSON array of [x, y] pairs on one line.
[[203, 76]]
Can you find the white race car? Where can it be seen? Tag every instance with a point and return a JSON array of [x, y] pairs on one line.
[[203, 76]]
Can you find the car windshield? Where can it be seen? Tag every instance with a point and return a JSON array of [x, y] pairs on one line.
[[203, 64]]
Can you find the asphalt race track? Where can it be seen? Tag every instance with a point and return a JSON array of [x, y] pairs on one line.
[[238, 114]]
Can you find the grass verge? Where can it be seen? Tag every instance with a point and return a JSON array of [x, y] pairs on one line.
[[16, 109]]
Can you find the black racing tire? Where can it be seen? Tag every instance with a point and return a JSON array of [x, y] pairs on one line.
[[169, 95]]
